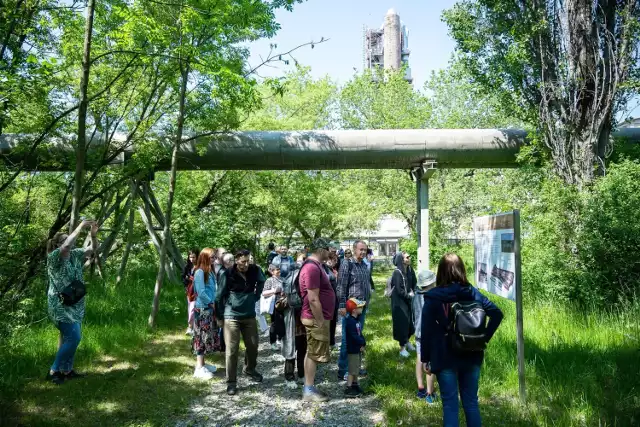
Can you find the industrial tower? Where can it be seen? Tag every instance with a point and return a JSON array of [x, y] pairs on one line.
[[387, 47]]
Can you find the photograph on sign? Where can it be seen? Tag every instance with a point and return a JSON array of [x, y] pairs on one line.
[[494, 238]]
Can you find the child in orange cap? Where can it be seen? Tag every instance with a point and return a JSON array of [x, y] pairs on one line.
[[355, 346]]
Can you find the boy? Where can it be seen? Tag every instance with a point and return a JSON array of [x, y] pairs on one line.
[[355, 346], [426, 281]]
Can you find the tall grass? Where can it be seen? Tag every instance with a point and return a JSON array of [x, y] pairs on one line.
[[136, 376], [582, 369]]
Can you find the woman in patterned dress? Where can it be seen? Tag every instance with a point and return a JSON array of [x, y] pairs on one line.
[[205, 332], [64, 265]]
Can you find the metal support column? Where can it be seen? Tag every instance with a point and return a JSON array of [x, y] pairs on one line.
[[421, 176]]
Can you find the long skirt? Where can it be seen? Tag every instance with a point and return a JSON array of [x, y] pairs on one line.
[[206, 339]]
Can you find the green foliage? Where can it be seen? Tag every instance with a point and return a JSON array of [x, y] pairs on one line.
[[579, 367], [382, 100], [566, 69], [130, 370], [609, 232]]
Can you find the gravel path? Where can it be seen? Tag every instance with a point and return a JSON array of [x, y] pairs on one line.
[[271, 403]]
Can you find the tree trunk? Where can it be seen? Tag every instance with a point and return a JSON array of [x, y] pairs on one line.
[[172, 188], [82, 118], [132, 216]]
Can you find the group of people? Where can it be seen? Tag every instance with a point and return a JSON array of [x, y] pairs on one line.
[[311, 294], [223, 294]]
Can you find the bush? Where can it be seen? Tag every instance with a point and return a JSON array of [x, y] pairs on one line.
[[581, 246], [609, 237]]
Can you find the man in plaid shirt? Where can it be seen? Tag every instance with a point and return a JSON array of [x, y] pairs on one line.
[[354, 281]]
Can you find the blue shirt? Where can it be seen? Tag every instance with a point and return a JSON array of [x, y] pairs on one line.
[[355, 340], [205, 292]]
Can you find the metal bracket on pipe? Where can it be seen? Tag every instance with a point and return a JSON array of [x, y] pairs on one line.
[[424, 171]]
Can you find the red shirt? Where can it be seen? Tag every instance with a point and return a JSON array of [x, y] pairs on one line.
[[312, 276]]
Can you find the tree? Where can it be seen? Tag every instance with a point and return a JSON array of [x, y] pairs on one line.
[[562, 67], [202, 38], [82, 117], [308, 204]]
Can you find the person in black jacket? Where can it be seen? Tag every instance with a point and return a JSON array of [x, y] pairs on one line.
[[238, 290], [403, 283], [187, 280], [355, 346], [455, 370]]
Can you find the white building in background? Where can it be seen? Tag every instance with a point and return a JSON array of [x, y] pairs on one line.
[[387, 47], [385, 239]]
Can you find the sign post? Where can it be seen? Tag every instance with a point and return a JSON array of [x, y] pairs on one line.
[[498, 269]]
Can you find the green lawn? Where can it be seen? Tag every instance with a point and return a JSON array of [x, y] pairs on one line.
[[136, 378], [582, 369]]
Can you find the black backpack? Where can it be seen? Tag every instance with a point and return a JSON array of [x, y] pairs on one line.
[[292, 288], [467, 326]]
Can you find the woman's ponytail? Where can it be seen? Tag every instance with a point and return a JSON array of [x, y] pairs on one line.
[[53, 243]]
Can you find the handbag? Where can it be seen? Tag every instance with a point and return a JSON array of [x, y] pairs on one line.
[[267, 304], [73, 293]]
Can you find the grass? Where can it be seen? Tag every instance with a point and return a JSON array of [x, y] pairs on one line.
[[136, 377], [582, 369]]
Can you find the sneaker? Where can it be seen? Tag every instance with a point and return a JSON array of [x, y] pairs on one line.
[[232, 390], [314, 395], [255, 376], [351, 392], [73, 374], [202, 373], [211, 368], [404, 353], [292, 385], [410, 347], [345, 377], [357, 387], [274, 347], [57, 377], [189, 331], [430, 398], [421, 394]]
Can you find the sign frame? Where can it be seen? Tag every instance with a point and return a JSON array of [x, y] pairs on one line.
[[518, 291]]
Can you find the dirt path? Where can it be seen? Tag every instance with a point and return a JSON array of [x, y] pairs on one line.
[[271, 403]]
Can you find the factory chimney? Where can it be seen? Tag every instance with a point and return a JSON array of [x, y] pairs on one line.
[[392, 40]]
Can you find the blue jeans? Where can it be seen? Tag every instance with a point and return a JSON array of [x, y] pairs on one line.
[[70, 340], [343, 363], [464, 380]]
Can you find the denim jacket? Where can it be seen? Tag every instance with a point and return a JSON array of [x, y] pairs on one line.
[[206, 292]]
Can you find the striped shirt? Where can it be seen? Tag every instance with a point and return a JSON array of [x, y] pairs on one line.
[[354, 284]]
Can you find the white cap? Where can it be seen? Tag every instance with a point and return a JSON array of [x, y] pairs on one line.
[[426, 278], [392, 11]]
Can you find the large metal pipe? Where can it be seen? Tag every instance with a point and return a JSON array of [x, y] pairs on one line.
[[306, 150], [344, 149]]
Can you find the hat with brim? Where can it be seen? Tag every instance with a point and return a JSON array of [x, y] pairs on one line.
[[353, 303], [426, 278]]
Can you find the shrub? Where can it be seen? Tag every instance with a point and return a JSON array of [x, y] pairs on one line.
[[609, 238]]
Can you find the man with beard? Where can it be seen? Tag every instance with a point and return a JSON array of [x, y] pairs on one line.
[[239, 289], [318, 304]]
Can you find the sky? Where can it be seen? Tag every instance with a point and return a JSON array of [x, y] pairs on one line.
[[342, 21]]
